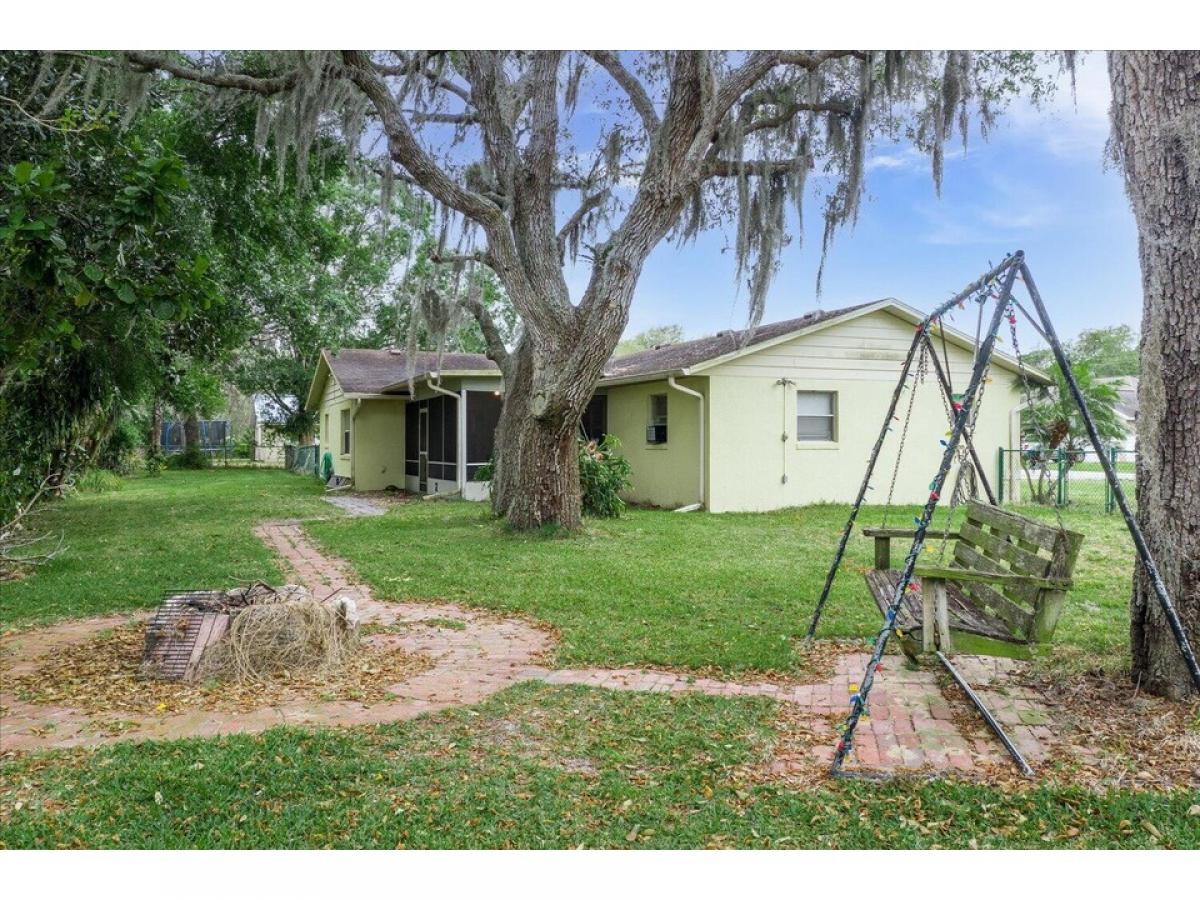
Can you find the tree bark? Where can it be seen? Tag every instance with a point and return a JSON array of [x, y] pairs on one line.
[[156, 424], [191, 432], [1156, 134]]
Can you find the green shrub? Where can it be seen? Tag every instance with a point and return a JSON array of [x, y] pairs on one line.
[[603, 474], [190, 458], [243, 447], [98, 481], [156, 461]]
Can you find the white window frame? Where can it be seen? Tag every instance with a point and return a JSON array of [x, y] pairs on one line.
[[653, 420], [832, 416], [345, 423]]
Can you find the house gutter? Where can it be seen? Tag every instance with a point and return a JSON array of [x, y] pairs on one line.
[[355, 407], [460, 427], [700, 456]]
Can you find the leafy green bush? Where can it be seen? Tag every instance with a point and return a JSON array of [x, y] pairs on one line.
[[119, 450], [243, 446], [98, 481], [190, 458], [156, 461], [486, 471], [603, 474]]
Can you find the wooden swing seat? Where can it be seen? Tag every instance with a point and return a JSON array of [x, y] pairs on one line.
[[1001, 594]]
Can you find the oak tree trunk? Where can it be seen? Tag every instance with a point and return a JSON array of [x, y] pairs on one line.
[[156, 424], [1156, 132], [191, 432], [536, 481]]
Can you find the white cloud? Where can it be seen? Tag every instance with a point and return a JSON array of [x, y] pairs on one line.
[[1008, 210], [1071, 125]]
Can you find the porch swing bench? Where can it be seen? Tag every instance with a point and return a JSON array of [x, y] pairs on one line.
[[1001, 594]]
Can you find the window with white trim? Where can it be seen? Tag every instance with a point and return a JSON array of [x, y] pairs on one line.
[[816, 415], [656, 424], [345, 432]]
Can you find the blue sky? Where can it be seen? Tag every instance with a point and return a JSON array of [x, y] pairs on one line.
[[1039, 184]]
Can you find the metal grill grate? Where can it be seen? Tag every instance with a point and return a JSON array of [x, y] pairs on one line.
[[172, 636]]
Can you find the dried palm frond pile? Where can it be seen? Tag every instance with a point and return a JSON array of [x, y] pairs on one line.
[[268, 639], [248, 634]]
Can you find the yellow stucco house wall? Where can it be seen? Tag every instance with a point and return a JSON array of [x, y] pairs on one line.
[[752, 457], [706, 422]]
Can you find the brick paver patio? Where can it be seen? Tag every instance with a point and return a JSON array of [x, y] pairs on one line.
[[913, 722]]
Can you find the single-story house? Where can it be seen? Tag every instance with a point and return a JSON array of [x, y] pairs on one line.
[[1126, 408], [785, 419]]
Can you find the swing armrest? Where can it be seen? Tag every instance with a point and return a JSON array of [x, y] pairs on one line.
[[883, 542], [904, 533], [949, 573]]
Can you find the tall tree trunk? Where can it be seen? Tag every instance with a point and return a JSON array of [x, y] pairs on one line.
[[156, 424], [1156, 132], [191, 432], [536, 481]]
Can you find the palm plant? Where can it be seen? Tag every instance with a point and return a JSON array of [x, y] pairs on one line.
[[1053, 422]]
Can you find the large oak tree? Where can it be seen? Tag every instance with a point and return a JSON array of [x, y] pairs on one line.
[[1156, 135], [672, 143]]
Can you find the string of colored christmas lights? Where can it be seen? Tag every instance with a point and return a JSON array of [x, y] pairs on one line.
[[977, 291], [905, 584]]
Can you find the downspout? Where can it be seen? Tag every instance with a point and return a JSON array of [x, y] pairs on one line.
[[459, 428], [783, 437], [700, 456], [357, 405]]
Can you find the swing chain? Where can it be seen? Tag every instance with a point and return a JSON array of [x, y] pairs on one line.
[[918, 379], [965, 464], [1034, 412]]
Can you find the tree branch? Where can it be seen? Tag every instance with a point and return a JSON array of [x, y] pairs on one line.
[[442, 118], [417, 65], [728, 168], [741, 79], [611, 63], [496, 351], [266, 87], [589, 203], [408, 152], [790, 110]]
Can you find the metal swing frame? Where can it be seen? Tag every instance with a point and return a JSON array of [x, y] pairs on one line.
[[1004, 275]]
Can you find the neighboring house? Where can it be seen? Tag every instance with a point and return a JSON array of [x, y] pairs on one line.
[[1126, 408], [786, 420]]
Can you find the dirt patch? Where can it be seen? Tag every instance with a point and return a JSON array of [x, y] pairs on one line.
[[101, 676]]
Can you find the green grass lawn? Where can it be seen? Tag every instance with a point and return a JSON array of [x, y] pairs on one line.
[[727, 591], [180, 530], [537, 767]]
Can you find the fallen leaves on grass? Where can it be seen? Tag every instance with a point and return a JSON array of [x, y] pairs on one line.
[[1125, 738], [102, 676]]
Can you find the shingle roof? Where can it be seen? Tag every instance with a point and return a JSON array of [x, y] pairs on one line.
[[673, 357], [370, 371]]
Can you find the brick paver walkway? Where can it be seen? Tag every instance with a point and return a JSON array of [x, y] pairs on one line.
[[355, 506], [912, 722]]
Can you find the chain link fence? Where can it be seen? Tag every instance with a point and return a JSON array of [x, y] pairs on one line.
[[1062, 477]]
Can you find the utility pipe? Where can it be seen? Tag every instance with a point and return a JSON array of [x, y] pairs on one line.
[[460, 417], [353, 436], [700, 431]]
